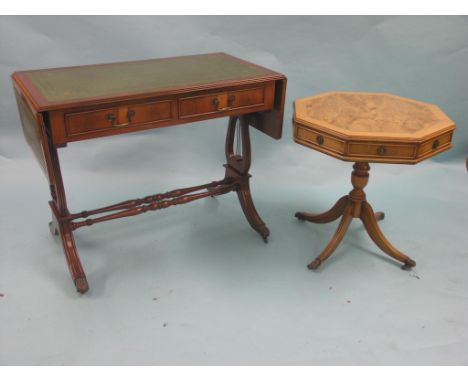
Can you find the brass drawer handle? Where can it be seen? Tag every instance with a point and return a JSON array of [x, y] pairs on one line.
[[319, 139], [216, 104], [130, 115], [382, 150], [112, 117], [435, 144]]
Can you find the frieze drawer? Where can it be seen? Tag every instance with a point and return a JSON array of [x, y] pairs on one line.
[[257, 98]]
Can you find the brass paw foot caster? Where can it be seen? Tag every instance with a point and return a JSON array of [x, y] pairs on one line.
[[264, 232], [379, 216], [408, 265], [53, 227], [299, 216], [81, 285], [314, 264], [354, 205]]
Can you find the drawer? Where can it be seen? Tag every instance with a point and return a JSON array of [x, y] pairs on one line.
[[118, 117], [151, 112], [257, 98], [435, 144], [318, 139], [86, 121], [374, 151]]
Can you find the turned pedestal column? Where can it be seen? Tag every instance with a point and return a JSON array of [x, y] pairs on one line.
[[354, 205]]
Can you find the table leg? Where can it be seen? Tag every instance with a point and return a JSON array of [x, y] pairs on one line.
[[354, 205], [326, 217], [60, 225], [237, 167], [336, 239], [236, 179], [370, 223]]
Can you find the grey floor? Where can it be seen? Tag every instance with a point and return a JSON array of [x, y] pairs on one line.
[[194, 285]]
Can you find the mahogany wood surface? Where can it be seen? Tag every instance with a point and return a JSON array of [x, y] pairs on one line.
[[63, 105]]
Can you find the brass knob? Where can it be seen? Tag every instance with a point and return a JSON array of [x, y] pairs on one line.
[[435, 144], [319, 139], [382, 150]]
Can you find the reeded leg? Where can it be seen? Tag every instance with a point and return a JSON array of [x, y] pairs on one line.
[[58, 226], [335, 241], [372, 228], [326, 217], [48, 158]]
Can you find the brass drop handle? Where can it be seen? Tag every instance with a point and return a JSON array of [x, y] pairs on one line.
[[130, 115], [435, 144], [112, 117], [230, 100], [319, 139]]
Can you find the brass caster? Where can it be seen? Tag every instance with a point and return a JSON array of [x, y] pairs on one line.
[[81, 285], [299, 216], [314, 264]]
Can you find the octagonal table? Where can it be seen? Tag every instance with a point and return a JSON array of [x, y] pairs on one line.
[[364, 128]]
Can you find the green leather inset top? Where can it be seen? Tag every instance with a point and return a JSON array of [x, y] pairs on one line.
[[66, 84]]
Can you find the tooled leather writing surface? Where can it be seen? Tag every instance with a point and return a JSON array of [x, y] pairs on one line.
[[70, 88], [66, 84]]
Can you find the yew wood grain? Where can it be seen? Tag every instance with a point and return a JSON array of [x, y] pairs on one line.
[[363, 128], [372, 127]]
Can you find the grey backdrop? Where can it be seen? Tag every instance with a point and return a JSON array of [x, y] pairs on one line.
[[194, 284]]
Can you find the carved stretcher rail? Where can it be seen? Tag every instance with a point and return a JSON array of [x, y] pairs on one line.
[[152, 203]]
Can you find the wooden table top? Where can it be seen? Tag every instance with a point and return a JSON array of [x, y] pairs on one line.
[[371, 114], [64, 87], [377, 127]]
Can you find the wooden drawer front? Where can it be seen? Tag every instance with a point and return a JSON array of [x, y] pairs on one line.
[[151, 112], [319, 140], [260, 97], [364, 149], [249, 97], [118, 117], [86, 121], [435, 144], [193, 106]]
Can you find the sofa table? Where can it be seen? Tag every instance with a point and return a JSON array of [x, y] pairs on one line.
[[364, 128], [63, 105]]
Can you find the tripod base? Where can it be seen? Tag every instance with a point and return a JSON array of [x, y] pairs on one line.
[[354, 205]]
